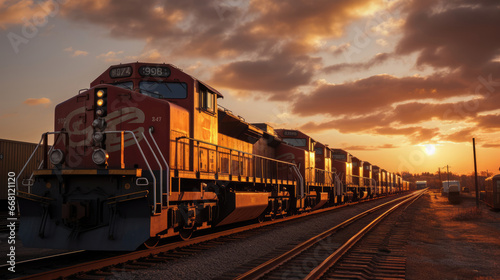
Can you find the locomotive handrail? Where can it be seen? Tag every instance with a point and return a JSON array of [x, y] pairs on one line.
[[44, 137], [161, 174], [145, 160], [166, 165], [293, 166], [301, 180], [215, 145]]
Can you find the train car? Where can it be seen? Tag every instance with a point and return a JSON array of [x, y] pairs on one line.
[[492, 192], [399, 187], [144, 154], [384, 181], [368, 182], [326, 176], [390, 182], [342, 165], [377, 177], [357, 178], [299, 148]]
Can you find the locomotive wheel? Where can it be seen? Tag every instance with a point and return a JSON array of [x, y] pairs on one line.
[[152, 242], [186, 233], [272, 217], [261, 218]]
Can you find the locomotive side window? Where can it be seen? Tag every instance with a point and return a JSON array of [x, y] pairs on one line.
[[163, 90], [207, 100], [340, 157], [296, 142]]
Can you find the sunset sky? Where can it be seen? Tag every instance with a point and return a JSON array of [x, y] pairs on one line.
[[405, 85]]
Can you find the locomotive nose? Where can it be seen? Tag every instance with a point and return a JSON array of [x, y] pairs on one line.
[[73, 212]]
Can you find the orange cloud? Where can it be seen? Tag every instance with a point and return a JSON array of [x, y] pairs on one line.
[[76, 52], [37, 101], [19, 12]]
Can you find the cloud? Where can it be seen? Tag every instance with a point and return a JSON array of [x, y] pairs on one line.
[[22, 12], [278, 75], [375, 93], [491, 145], [489, 122], [376, 60], [37, 101], [273, 48], [452, 34], [338, 50], [464, 135], [368, 148], [111, 56], [148, 56], [76, 53]]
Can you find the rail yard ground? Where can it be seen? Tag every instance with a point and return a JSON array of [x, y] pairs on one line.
[[453, 241], [447, 242]]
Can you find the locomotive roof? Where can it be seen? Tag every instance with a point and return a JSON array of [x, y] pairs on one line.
[[105, 76]]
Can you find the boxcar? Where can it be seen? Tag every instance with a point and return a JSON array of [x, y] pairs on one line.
[[492, 192]]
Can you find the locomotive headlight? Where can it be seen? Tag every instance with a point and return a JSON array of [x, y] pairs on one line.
[[56, 157], [100, 156], [100, 102], [100, 93]]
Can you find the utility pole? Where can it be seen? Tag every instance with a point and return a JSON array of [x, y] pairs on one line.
[[448, 175], [475, 171]]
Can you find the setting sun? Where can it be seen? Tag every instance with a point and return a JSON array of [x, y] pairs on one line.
[[430, 149]]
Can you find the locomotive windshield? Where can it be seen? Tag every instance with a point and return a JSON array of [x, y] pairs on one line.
[[163, 90], [125, 85]]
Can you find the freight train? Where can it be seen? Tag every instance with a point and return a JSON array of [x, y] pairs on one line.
[[146, 153]]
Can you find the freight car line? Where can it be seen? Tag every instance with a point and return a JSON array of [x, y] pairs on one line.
[[311, 247], [139, 259]]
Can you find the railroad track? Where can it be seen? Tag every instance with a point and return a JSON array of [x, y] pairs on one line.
[[312, 259], [103, 266]]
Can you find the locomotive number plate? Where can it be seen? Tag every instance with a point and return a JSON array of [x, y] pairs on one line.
[[120, 72], [154, 71]]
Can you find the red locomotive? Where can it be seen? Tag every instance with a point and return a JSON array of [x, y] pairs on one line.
[[146, 153]]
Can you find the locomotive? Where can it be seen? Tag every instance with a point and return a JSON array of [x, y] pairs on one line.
[[146, 153]]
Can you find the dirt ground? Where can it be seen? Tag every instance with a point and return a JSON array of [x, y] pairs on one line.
[[454, 241]]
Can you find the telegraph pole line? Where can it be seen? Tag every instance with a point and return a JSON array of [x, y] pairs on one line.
[[475, 171], [448, 174]]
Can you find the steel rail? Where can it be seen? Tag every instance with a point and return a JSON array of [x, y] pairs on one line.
[[99, 264], [321, 269], [274, 263]]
